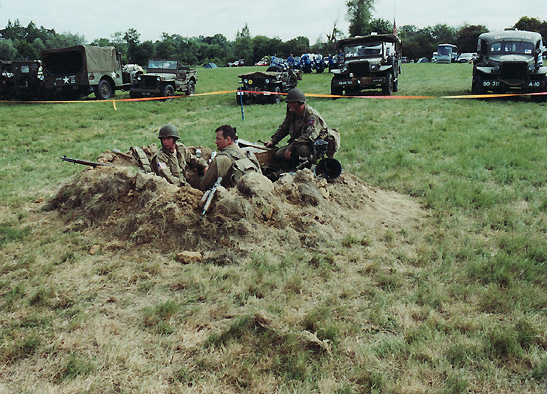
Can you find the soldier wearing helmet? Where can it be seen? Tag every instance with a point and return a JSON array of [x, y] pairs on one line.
[[304, 125], [172, 160]]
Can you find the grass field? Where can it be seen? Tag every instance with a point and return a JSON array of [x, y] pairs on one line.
[[465, 313]]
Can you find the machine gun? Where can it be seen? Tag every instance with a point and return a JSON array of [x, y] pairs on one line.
[[208, 197], [86, 163]]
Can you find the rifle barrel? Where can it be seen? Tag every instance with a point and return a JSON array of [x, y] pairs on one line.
[[86, 162]]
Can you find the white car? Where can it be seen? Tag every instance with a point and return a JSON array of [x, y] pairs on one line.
[[466, 57]]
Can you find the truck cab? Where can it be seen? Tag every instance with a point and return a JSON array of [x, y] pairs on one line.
[[511, 60], [367, 62]]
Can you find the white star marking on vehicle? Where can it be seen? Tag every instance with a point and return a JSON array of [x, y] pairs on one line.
[[66, 79]]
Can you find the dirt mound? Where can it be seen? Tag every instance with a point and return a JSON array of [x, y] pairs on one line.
[[298, 211]]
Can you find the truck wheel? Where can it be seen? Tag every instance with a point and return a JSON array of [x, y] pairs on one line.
[[276, 98], [336, 91], [387, 87], [191, 88], [168, 91], [396, 85], [476, 86], [104, 90]]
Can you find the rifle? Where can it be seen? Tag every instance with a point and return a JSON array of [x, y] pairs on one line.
[[210, 194], [86, 163]]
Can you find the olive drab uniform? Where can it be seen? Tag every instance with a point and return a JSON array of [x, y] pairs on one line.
[[303, 131], [231, 164], [172, 166]]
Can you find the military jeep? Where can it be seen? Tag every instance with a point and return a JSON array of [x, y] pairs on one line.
[[163, 78], [507, 61], [368, 62], [267, 86]]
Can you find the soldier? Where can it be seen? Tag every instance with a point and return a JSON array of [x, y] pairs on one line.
[[231, 163], [304, 125], [173, 159]]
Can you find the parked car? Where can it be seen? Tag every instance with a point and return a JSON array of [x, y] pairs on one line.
[[466, 57]]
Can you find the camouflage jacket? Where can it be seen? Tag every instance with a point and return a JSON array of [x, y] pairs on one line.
[[303, 129], [172, 166]]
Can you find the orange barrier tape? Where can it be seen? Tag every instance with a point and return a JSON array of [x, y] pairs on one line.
[[391, 97]]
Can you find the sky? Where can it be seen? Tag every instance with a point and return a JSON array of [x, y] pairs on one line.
[[285, 19]]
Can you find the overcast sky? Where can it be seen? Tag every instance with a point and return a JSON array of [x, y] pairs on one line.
[[285, 19]]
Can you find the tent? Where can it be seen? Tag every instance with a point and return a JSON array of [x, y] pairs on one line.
[[210, 65]]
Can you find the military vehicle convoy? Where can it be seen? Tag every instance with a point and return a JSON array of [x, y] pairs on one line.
[[163, 78], [368, 62], [74, 72], [509, 60], [267, 86]]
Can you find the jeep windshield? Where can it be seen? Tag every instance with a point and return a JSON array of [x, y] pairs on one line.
[[371, 49], [163, 64], [511, 47]]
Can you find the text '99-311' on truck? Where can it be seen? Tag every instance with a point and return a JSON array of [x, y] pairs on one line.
[[511, 60], [163, 78], [74, 72], [367, 62]]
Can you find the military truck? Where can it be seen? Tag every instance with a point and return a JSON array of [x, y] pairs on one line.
[[74, 72], [163, 78], [267, 86], [368, 62], [509, 60]]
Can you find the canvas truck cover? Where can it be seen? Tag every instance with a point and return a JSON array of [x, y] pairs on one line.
[[80, 58]]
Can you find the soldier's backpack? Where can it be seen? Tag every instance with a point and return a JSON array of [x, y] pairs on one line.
[[243, 165]]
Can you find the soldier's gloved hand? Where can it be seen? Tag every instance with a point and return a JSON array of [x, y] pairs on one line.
[[269, 144]]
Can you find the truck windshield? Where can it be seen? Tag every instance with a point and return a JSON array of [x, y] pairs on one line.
[[512, 47], [444, 50], [363, 50]]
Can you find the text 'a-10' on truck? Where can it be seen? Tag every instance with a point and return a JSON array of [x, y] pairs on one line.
[[163, 78], [74, 72], [367, 62], [509, 60]]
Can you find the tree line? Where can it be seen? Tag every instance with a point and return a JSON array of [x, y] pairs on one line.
[[19, 42]]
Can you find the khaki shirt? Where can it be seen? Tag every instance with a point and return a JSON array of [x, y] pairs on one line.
[[303, 129], [172, 166], [222, 166]]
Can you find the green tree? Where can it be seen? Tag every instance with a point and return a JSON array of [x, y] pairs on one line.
[[7, 49], [359, 14], [297, 46], [143, 52], [243, 45], [467, 37], [532, 24], [443, 34], [131, 38], [380, 26], [166, 47]]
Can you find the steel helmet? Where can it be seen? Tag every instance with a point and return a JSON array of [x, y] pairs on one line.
[[169, 130], [295, 95]]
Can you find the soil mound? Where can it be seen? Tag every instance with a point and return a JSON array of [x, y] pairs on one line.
[[298, 211]]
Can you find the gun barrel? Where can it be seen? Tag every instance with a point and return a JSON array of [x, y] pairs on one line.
[[85, 162], [210, 197]]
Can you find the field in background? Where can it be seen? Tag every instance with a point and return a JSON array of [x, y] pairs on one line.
[[465, 313]]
